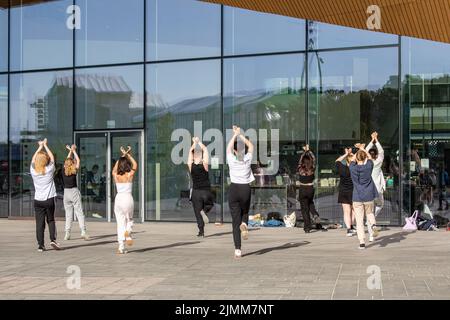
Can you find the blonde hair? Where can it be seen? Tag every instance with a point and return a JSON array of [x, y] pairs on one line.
[[361, 155], [69, 167], [41, 161]]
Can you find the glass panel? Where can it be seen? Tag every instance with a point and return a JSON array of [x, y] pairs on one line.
[[361, 90], [109, 98], [134, 141], [4, 166], [41, 105], [3, 39], [426, 87], [111, 32], [93, 176], [40, 37], [324, 35], [179, 29], [180, 94], [265, 95], [247, 32]]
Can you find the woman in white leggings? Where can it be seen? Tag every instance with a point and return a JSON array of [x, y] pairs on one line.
[[123, 174]]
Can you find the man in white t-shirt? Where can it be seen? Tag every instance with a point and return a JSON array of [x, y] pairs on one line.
[[239, 194]]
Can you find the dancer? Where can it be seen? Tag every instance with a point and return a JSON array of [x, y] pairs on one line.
[[72, 196], [123, 174], [42, 170], [239, 193], [306, 169], [202, 197], [364, 193], [346, 190], [377, 154]]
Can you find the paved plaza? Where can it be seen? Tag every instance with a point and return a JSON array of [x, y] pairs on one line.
[[167, 261]]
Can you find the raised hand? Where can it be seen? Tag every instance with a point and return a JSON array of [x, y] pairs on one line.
[[306, 148], [236, 130], [73, 147], [41, 143], [122, 149], [69, 148], [45, 141], [196, 140]]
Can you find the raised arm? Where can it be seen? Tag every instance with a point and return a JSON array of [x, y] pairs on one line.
[[39, 149], [49, 152], [114, 170], [205, 155], [191, 154], [341, 158], [77, 158], [134, 165], [69, 155], [248, 143], [230, 146]]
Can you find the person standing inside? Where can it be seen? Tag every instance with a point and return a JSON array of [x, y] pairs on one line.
[[123, 174], [202, 197], [377, 153], [42, 171], [364, 193], [239, 194], [345, 197], [306, 169], [72, 196]]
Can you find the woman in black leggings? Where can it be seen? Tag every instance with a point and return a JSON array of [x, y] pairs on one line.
[[239, 194], [306, 169], [202, 197]]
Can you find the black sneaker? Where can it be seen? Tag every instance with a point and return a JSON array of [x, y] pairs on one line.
[[41, 249], [362, 246], [350, 233], [307, 230], [201, 234]]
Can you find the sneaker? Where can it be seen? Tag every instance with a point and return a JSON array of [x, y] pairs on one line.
[[41, 249], [128, 239], [349, 233], [353, 230], [201, 234], [55, 245], [244, 231], [204, 217], [237, 253], [84, 235], [371, 239], [67, 236], [375, 231], [121, 251], [362, 246]]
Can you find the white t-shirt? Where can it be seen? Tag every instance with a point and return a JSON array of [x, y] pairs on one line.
[[240, 171], [43, 183]]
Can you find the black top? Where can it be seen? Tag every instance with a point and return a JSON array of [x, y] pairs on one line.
[[306, 179], [200, 177], [345, 184], [69, 182]]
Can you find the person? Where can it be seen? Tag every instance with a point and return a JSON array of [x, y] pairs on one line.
[[346, 190], [306, 169], [42, 170], [202, 197], [72, 196], [364, 193], [442, 183], [377, 153], [123, 174], [239, 193]]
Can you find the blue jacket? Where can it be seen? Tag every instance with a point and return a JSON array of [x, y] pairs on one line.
[[364, 190]]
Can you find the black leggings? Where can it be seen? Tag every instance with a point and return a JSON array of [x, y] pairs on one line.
[[202, 200], [239, 196], [45, 210], [306, 198]]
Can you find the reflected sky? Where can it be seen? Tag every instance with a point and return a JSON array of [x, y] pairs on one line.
[[3, 40]]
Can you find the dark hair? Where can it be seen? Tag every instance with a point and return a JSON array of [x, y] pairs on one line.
[[306, 165], [124, 166], [95, 167], [373, 152]]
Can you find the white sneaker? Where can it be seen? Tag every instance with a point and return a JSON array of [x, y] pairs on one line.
[[67, 236], [128, 239], [244, 231], [84, 235], [371, 239], [204, 217], [237, 253]]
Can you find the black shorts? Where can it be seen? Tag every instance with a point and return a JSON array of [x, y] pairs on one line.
[[345, 197]]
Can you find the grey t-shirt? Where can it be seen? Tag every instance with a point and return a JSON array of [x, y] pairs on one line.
[[43, 183]]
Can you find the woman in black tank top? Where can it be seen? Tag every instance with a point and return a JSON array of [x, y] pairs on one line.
[[202, 197]]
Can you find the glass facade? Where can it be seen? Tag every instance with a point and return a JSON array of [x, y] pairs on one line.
[[154, 73]]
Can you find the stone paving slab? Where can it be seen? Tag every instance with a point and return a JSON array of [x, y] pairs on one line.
[[169, 262]]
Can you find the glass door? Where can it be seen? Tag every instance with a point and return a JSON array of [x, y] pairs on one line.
[[98, 153]]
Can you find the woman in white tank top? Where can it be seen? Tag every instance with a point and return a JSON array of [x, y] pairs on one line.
[[123, 173]]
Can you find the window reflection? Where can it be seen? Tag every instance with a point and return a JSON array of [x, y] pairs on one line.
[[247, 32], [109, 98], [3, 39], [352, 94], [4, 146], [112, 31], [268, 93], [39, 35], [179, 94], [42, 109], [179, 29]]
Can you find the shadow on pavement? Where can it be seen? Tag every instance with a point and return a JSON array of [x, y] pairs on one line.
[[173, 245], [87, 244], [282, 247], [106, 236], [389, 239]]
